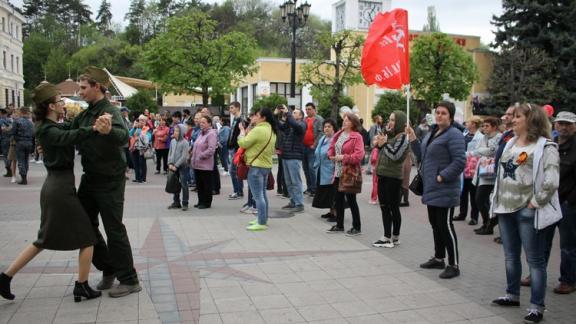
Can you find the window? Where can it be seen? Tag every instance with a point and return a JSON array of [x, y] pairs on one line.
[[6, 96], [17, 32], [283, 89], [17, 64], [3, 24], [254, 93], [4, 59], [18, 99], [13, 96], [12, 62], [244, 99]]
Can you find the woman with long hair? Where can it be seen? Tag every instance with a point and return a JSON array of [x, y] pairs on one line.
[[525, 200], [325, 189], [140, 137], [259, 144], [394, 147], [64, 225], [347, 149], [442, 161]]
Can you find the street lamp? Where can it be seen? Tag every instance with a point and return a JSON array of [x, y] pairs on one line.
[[297, 17]]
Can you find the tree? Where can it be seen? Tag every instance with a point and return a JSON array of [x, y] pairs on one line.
[[134, 30], [521, 75], [329, 77], [104, 17], [272, 101], [325, 105], [546, 25], [191, 55], [141, 100], [432, 24], [438, 66], [395, 100], [35, 52], [56, 66]]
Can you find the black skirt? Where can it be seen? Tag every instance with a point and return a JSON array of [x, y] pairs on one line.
[[324, 196], [64, 225]]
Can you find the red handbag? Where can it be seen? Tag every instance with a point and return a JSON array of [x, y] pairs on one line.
[[241, 167]]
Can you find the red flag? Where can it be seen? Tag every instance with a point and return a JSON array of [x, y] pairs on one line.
[[385, 57]]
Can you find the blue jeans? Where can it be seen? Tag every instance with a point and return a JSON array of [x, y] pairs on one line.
[[184, 172], [517, 231], [23, 151], [224, 157], [237, 184], [5, 146], [293, 181], [140, 168], [309, 170], [567, 228], [257, 180]]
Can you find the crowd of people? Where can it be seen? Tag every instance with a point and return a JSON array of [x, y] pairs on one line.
[[513, 172]]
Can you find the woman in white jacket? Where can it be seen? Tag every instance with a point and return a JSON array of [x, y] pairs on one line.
[[525, 200]]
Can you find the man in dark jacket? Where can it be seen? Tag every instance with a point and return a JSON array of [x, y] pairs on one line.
[[565, 125], [102, 185], [235, 119], [23, 134], [292, 154], [5, 126]]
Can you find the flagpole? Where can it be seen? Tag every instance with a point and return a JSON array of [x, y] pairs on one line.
[[408, 104]]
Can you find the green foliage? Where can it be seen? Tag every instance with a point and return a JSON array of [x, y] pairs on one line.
[[140, 101], [191, 55], [438, 66], [324, 106], [330, 77], [36, 51], [104, 17], [396, 100], [272, 101], [521, 75], [56, 65], [548, 26], [118, 56]]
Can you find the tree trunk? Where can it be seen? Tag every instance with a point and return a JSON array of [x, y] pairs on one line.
[[205, 96]]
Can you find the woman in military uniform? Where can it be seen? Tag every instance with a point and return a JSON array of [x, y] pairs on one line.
[[64, 225]]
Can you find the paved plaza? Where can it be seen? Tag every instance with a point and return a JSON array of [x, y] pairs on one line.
[[204, 267]]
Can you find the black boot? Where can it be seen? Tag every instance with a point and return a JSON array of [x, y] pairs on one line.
[[23, 181], [404, 198], [82, 289], [8, 173], [5, 286]]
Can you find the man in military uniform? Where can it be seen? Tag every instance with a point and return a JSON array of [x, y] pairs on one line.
[[23, 134], [102, 185], [5, 126]]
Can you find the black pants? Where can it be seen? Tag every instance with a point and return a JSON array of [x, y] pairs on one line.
[[23, 151], [140, 167], [483, 202], [105, 197], [388, 195], [162, 160], [444, 234], [280, 183], [215, 176], [128, 158], [468, 191], [351, 199], [204, 186]]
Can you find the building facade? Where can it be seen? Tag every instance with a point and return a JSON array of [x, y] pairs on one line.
[[11, 67]]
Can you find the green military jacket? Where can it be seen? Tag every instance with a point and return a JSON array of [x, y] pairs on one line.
[[103, 155], [58, 143]]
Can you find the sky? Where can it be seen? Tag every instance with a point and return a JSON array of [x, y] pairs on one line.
[[454, 16]]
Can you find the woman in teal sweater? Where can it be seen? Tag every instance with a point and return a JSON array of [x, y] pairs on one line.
[[259, 144]]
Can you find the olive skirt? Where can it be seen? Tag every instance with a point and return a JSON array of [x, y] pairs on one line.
[[64, 225]]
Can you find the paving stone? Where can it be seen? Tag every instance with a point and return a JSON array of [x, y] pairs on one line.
[[281, 316]]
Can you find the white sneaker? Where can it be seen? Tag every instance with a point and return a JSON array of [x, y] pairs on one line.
[[225, 173], [254, 210], [373, 202], [13, 180], [245, 210], [32, 161], [39, 162], [386, 243]]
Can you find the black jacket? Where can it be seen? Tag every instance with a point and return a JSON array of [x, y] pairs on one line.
[[567, 188], [235, 126], [292, 145]]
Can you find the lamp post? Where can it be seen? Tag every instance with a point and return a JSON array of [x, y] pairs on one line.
[[297, 17]]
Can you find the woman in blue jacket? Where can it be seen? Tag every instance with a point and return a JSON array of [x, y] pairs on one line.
[[325, 192], [443, 156]]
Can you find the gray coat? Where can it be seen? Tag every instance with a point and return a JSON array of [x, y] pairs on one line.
[[178, 154], [444, 156]]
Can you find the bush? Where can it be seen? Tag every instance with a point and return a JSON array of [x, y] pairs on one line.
[[141, 100], [271, 102], [395, 100]]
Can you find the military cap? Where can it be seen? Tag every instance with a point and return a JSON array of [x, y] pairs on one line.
[[44, 92], [98, 75]]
